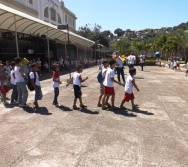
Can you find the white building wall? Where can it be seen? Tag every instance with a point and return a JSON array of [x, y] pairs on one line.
[[37, 8]]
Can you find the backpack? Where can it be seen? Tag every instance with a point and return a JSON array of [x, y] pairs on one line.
[[29, 84], [100, 78]]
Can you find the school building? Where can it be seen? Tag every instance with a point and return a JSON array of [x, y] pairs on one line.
[[28, 28]]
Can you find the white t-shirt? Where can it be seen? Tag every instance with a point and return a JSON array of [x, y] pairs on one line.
[[12, 79], [108, 78], [175, 63], [129, 84], [131, 59], [39, 63], [37, 82], [187, 66], [8, 69], [76, 80], [119, 62], [18, 75]]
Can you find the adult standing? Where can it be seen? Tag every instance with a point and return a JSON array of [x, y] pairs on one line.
[[8, 67], [120, 67], [142, 62], [20, 82], [131, 60]]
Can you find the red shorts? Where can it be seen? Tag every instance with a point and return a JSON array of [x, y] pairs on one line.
[[39, 68], [178, 65], [128, 97], [109, 90], [186, 71], [4, 89]]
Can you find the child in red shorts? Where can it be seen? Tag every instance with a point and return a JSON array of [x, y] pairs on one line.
[[3, 83], [109, 85], [130, 82]]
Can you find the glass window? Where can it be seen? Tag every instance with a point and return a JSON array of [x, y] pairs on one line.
[[31, 2], [46, 12], [53, 14], [59, 19]]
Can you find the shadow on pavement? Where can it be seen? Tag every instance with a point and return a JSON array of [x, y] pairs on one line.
[[63, 108], [40, 110], [87, 111], [138, 78], [124, 113], [137, 110]]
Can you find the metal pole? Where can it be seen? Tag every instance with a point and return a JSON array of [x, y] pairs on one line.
[[85, 52], [69, 51], [48, 51], [16, 36], [77, 51]]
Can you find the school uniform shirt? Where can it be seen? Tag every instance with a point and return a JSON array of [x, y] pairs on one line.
[[131, 59], [187, 66], [108, 78], [119, 62], [18, 75], [55, 75], [8, 69], [103, 72], [175, 63], [32, 76], [76, 79], [12, 79], [129, 84]]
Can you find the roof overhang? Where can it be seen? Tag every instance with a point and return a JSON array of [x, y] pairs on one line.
[[27, 24]]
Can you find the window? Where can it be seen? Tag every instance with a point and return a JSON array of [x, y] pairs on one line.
[[31, 2], [53, 14], [59, 19], [66, 20], [46, 12]]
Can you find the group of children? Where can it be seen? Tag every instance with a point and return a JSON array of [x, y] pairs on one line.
[[107, 86], [20, 91]]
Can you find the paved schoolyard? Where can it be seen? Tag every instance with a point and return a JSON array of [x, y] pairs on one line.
[[155, 135]]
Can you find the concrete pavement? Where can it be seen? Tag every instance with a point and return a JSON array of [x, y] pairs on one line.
[[155, 135]]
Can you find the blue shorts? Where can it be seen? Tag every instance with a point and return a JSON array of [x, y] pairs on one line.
[[38, 93]]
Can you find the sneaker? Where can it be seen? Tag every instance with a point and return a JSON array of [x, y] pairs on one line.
[[25, 106], [13, 103]]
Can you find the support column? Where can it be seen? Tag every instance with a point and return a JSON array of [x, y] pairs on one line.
[[85, 52], [16, 37], [77, 51], [48, 51]]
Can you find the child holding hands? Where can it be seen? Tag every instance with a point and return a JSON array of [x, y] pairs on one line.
[[130, 82], [77, 80]]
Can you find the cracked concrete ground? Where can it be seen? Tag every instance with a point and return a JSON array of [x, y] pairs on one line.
[[155, 135]]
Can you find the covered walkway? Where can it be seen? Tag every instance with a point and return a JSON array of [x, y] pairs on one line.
[[19, 22]]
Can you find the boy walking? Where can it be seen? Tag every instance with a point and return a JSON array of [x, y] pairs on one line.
[[20, 82], [34, 77], [130, 82], [77, 80], [14, 96], [105, 66], [109, 85]]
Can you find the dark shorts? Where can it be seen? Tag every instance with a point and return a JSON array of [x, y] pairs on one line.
[[38, 94], [131, 65], [77, 91]]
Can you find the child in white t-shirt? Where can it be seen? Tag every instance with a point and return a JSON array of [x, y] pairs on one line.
[[14, 96], [109, 85], [105, 67], [77, 80], [34, 77], [187, 70], [130, 82]]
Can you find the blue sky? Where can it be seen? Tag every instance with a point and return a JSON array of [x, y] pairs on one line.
[[129, 14]]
